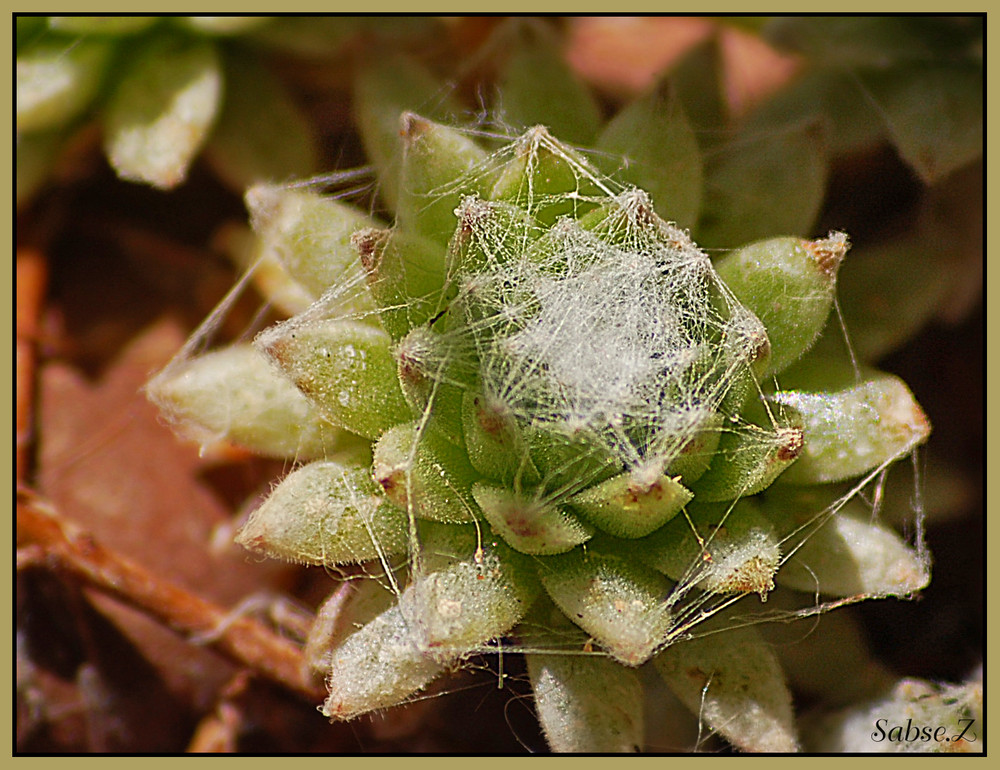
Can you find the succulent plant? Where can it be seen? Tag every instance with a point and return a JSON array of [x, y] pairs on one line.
[[577, 439], [533, 415], [564, 438]]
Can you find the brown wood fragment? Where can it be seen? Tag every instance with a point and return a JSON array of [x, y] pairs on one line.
[[72, 551], [31, 282]]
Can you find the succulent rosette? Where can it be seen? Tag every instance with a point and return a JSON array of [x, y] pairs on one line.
[[575, 440], [533, 415]]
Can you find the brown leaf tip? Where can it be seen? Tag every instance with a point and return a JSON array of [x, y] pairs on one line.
[[370, 242], [412, 127], [791, 443], [829, 252]]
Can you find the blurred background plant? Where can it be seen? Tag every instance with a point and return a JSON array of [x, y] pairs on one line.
[[869, 125]]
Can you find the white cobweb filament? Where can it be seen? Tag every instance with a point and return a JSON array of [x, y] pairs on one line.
[[613, 334]]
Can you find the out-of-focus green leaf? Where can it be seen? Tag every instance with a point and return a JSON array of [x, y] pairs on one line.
[[698, 82], [887, 292], [308, 36], [329, 36], [656, 147], [934, 114], [261, 134], [223, 25], [57, 80], [102, 25], [761, 184], [833, 99], [28, 28], [162, 110], [869, 41], [537, 86]]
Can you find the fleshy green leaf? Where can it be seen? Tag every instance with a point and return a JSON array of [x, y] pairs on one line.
[[327, 513], [406, 276], [489, 233], [162, 110], [659, 154], [246, 251], [434, 372], [379, 666], [57, 80], [261, 135], [466, 591], [857, 429], [696, 455], [539, 175], [585, 703], [631, 505], [934, 113], [734, 683], [749, 458], [496, 446], [570, 461], [537, 87], [347, 369], [762, 183], [839, 549], [529, 524], [311, 237], [436, 174], [735, 549], [423, 472], [352, 605], [789, 285], [617, 601], [235, 394]]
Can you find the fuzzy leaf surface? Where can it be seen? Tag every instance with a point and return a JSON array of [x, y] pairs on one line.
[[733, 682], [162, 110]]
